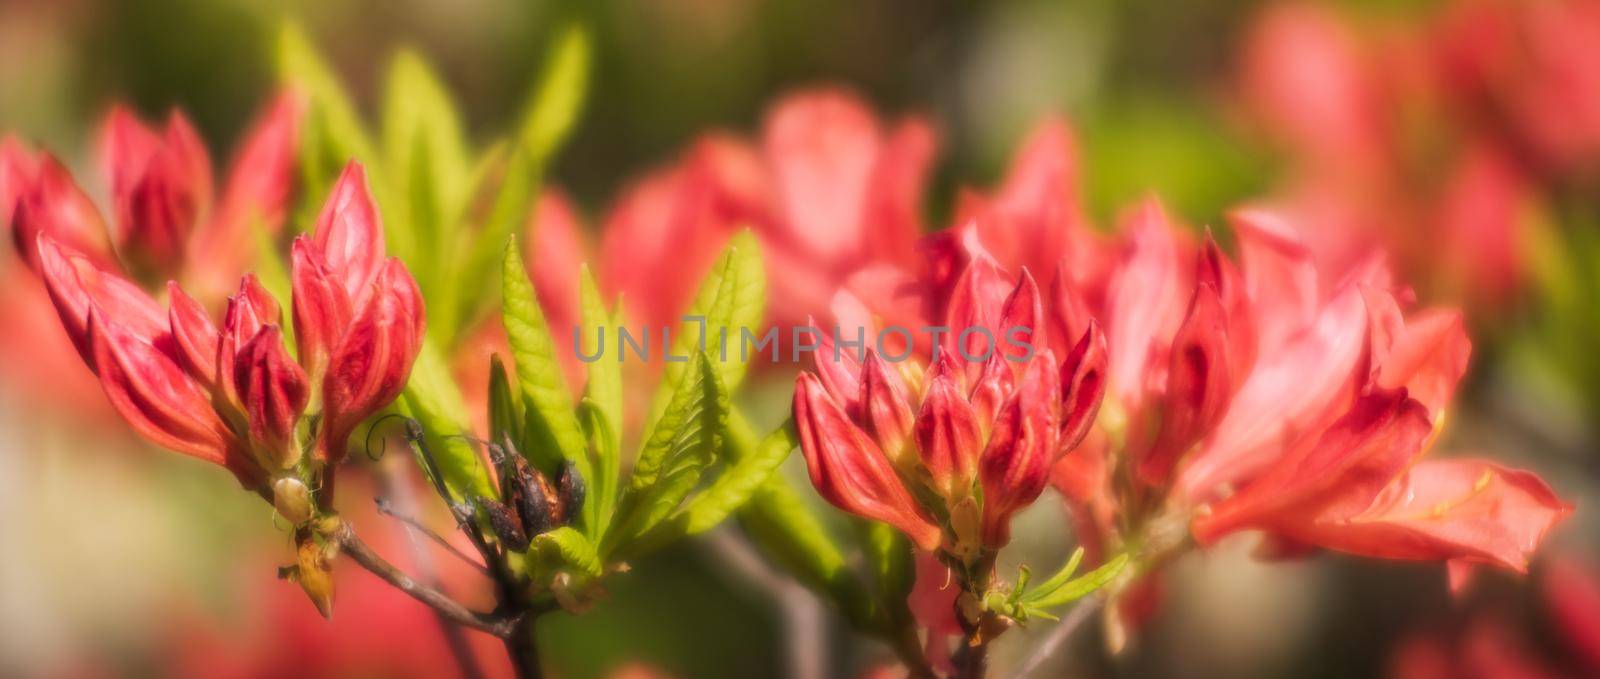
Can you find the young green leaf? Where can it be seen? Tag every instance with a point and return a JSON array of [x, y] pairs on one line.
[[731, 299], [552, 432], [1060, 578], [510, 210], [683, 443], [555, 105], [1043, 598], [426, 160], [570, 548], [738, 482], [790, 534], [605, 458], [505, 404], [889, 556], [733, 488], [604, 386]]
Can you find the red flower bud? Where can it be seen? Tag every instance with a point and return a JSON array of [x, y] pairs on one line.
[[50, 203], [1199, 386], [248, 310], [374, 358], [1216, 269], [321, 308], [886, 407], [349, 234], [274, 391], [161, 401], [994, 385], [1021, 320], [1015, 466], [849, 471], [948, 438], [840, 370], [979, 294], [195, 335], [160, 187], [258, 188], [1083, 384], [77, 284]]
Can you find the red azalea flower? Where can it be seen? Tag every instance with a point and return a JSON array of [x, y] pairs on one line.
[[232, 394]]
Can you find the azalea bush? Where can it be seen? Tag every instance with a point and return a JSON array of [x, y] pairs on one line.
[[969, 431]]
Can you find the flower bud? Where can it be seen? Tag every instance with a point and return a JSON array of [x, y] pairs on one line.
[[975, 302], [840, 371], [1198, 386], [849, 471], [51, 204], [321, 308], [349, 234], [948, 438], [248, 310], [76, 284], [313, 570], [195, 335], [160, 400], [374, 358], [1015, 466], [1083, 385], [292, 499], [1022, 320], [160, 187], [1216, 269], [257, 192], [886, 409], [273, 390]]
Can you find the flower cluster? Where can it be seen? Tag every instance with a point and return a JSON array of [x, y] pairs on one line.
[[232, 393], [949, 455], [1253, 397]]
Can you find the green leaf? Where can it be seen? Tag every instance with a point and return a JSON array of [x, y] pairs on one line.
[[731, 298], [604, 386], [552, 432], [505, 404], [1060, 578], [426, 158], [605, 458], [569, 548], [731, 490], [889, 557], [739, 482], [432, 398], [1044, 598], [563, 85], [682, 444], [784, 529], [510, 211], [332, 133]]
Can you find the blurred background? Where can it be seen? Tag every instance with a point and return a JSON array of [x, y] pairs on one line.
[[1463, 134]]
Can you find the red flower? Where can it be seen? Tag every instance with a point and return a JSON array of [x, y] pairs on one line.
[[160, 186], [358, 316], [989, 428], [232, 394]]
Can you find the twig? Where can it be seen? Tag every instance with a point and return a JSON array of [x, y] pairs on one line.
[[394, 483], [363, 555], [416, 527], [1063, 630]]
